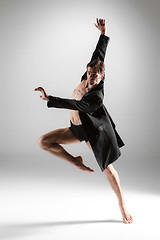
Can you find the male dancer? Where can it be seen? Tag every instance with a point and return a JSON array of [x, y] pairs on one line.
[[90, 122]]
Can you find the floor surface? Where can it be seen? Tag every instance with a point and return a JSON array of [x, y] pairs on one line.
[[41, 202]]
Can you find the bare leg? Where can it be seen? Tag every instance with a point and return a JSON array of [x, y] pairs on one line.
[[51, 143], [114, 181]]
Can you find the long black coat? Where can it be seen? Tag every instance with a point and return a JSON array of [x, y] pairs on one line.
[[99, 126]]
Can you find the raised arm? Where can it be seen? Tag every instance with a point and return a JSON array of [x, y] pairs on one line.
[[101, 46], [100, 51]]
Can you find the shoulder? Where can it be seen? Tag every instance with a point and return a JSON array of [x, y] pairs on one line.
[[98, 94], [94, 95]]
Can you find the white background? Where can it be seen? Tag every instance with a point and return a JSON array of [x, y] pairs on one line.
[[48, 44]]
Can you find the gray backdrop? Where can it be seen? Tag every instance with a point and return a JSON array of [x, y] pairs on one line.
[[40, 41]]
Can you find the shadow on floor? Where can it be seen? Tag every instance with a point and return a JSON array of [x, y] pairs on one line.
[[9, 231]]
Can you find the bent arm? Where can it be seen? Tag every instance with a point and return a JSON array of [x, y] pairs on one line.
[[86, 104]]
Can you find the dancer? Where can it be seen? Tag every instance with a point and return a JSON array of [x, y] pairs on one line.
[[89, 122]]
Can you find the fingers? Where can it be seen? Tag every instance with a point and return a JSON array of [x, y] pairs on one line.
[[97, 22], [101, 22], [38, 89]]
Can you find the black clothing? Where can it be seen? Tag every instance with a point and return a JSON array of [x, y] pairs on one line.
[[98, 124], [78, 131]]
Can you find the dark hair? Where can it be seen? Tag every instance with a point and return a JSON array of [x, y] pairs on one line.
[[98, 65]]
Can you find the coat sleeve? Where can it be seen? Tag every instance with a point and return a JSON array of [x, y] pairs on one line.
[[99, 52], [86, 104], [101, 47]]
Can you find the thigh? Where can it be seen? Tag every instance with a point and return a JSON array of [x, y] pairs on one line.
[[61, 136]]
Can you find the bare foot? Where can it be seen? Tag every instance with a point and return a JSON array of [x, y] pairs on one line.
[[78, 162], [127, 218]]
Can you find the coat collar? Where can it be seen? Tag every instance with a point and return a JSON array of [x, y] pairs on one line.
[[99, 87]]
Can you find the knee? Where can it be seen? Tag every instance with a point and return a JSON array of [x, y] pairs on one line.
[[43, 143], [109, 170]]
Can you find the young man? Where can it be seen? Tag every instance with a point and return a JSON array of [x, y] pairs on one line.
[[90, 122]]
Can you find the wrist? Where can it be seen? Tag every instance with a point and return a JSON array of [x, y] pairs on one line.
[[47, 98], [103, 32]]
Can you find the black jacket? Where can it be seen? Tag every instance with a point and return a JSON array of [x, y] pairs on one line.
[[99, 126]]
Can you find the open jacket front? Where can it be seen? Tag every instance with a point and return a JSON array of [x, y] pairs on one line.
[[99, 126]]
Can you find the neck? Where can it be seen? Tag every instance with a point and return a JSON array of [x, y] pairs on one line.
[[89, 86]]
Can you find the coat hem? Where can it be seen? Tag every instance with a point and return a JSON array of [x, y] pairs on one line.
[[102, 169]]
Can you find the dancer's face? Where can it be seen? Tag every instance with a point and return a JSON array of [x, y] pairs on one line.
[[93, 77]]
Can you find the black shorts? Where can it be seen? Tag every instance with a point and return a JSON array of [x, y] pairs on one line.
[[79, 132]]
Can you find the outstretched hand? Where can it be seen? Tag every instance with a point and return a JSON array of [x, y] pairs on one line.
[[101, 25], [44, 94]]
